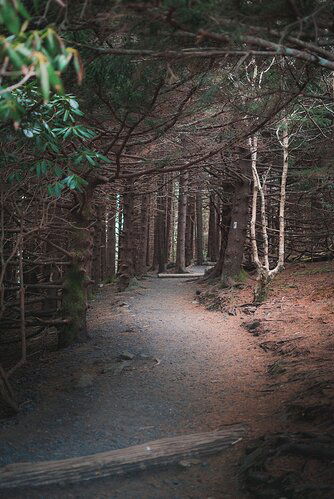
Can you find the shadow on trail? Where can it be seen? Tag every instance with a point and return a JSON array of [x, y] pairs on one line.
[[153, 368]]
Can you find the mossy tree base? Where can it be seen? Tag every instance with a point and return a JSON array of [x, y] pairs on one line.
[[233, 255], [77, 278], [74, 307], [262, 288]]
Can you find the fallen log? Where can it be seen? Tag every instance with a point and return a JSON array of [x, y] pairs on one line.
[[186, 275], [116, 462]]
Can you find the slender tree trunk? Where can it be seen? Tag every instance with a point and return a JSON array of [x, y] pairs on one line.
[[151, 227], [99, 244], [190, 229], [144, 223], [148, 241], [137, 236], [265, 274], [126, 245], [103, 244], [160, 228], [181, 224], [174, 225], [225, 224], [111, 241], [51, 273], [169, 219], [199, 228], [213, 234]]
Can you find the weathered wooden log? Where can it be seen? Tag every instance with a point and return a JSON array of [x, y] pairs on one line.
[[116, 462], [189, 276]]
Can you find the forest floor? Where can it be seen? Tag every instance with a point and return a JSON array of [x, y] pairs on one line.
[[195, 358]]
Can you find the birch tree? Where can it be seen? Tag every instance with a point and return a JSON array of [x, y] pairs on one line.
[[265, 274]]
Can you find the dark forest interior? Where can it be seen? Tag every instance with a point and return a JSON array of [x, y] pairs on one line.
[[167, 234]]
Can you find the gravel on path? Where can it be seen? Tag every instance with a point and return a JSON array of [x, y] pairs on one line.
[[183, 369]]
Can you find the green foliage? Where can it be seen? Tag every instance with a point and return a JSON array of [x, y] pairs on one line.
[[110, 280], [32, 95], [202, 14], [92, 157], [129, 86], [209, 95], [10, 12], [29, 54], [55, 141], [241, 277], [318, 270], [319, 116], [192, 13]]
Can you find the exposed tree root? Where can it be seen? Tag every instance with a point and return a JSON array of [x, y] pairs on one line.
[[311, 413], [265, 476]]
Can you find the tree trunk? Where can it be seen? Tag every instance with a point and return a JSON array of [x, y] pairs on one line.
[[126, 268], [265, 274], [199, 228], [103, 247], [261, 287], [151, 227], [225, 223], [169, 219], [143, 237], [238, 227], [190, 227], [137, 236], [181, 225], [97, 272], [160, 228], [213, 239], [111, 241], [77, 276]]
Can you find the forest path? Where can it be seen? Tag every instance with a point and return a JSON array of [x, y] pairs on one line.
[[193, 370]]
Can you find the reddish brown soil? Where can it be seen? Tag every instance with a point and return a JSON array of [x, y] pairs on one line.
[[298, 312], [295, 329]]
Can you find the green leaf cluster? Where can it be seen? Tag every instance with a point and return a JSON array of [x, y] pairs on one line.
[[50, 142], [27, 55]]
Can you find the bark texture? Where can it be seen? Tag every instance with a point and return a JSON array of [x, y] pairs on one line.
[[126, 243], [199, 228], [78, 274], [136, 458], [181, 224], [238, 227]]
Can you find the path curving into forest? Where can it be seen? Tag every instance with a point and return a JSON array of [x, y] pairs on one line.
[[192, 370]]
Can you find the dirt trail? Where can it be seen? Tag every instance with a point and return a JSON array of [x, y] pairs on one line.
[[193, 370]]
